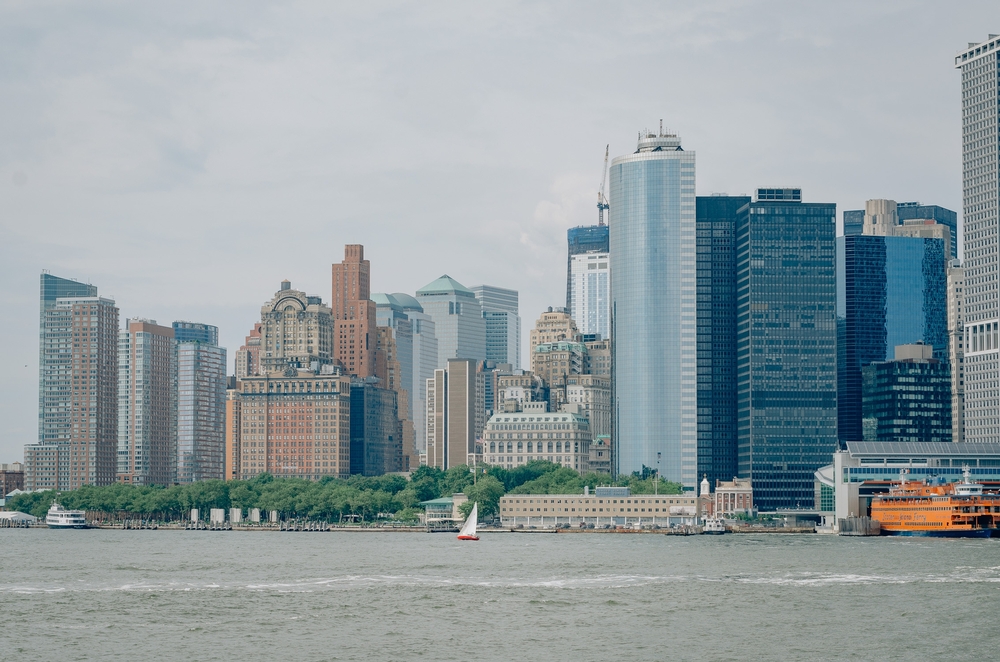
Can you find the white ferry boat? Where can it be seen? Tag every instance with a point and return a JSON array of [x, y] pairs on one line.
[[714, 526], [60, 518]]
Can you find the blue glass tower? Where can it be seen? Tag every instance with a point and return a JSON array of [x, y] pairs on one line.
[[786, 345], [890, 291], [717, 335], [653, 290]]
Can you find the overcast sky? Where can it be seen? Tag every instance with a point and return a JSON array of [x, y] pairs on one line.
[[185, 158]]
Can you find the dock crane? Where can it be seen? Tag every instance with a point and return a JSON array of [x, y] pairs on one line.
[[602, 202]]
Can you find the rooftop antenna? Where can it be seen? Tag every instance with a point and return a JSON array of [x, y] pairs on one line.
[[602, 202], [661, 127]]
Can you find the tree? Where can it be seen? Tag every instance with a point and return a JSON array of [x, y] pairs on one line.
[[487, 492]]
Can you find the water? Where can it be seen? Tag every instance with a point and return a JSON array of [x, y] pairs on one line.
[[192, 595]]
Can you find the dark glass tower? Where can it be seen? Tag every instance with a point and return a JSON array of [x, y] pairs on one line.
[[907, 400], [716, 301], [583, 239], [786, 357], [890, 291]]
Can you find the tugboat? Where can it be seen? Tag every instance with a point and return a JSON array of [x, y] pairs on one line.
[[955, 510], [60, 518]]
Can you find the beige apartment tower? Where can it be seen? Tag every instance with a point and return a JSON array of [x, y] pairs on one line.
[[451, 414], [147, 421], [553, 326]]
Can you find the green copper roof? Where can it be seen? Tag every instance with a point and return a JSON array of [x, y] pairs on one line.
[[382, 299], [444, 285]]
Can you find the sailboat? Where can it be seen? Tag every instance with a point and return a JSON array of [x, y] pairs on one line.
[[468, 530]]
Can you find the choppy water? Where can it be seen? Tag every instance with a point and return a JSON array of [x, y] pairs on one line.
[[191, 595]]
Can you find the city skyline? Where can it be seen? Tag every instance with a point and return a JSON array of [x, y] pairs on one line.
[[528, 228]]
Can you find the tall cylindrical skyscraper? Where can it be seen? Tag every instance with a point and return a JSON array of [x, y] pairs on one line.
[[653, 253]]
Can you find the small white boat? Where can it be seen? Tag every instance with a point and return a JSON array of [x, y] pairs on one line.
[[60, 518], [714, 526], [468, 530]]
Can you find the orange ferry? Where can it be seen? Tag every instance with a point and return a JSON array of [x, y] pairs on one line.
[[953, 510]]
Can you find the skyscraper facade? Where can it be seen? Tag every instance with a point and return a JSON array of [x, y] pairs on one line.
[[147, 413], [354, 313], [890, 291], [452, 414], [248, 356], [503, 323], [297, 331], [716, 305], [907, 398], [51, 289], [590, 293], [956, 347], [458, 320], [583, 239], [78, 391], [980, 67], [200, 402], [786, 344], [653, 301]]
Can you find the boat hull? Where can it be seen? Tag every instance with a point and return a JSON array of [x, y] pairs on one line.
[[468, 537], [964, 533], [713, 533], [68, 526]]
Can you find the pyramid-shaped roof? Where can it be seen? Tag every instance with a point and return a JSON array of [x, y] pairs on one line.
[[444, 285]]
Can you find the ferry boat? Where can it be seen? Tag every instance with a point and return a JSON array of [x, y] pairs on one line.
[[60, 518], [714, 526], [952, 510]]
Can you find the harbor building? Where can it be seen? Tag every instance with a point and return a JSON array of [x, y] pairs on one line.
[[353, 313], [908, 398], [580, 241], [147, 404], [590, 293], [716, 361], [296, 424], [606, 506], [297, 331], [866, 469], [786, 344], [654, 309], [452, 414], [980, 68], [891, 291], [200, 398], [459, 325], [78, 389], [956, 347], [513, 439]]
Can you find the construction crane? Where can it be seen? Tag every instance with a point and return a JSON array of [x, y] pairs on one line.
[[602, 202]]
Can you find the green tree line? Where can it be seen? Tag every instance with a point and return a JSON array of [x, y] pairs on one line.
[[358, 497]]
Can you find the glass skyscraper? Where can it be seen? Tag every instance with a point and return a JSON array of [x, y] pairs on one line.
[[458, 320], [201, 404], [786, 345], [583, 239], [980, 67], [652, 247], [503, 324], [716, 240], [890, 291], [591, 294]]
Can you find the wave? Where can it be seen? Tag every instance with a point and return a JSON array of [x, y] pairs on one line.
[[961, 575]]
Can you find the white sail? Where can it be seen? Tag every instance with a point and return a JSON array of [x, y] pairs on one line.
[[469, 528]]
